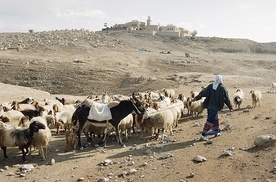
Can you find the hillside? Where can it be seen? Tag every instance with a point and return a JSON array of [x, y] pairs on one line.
[[52, 61], [73, 64]]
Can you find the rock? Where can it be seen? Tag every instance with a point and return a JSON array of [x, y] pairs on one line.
[[265, 140], [160, 146], [52, 162], [107, 162], [228, 152], [191, 175], [27, 167], [148, 152], [22, 175], [167, 140], [129, 157], [103, 180], [165, 156], [80, 179], [131, 163], [246, 110], [227, 127], [139, 148], [11, 174], [144, 164], [123, 174], [199, 158], [17, 172], [132, 171], [257, 116], [1, 170]]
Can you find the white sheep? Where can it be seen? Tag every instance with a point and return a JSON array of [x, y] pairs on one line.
[[238, 98], [162, 120], [272, 87], [63, 121], [194, 93], [12, 117], [256, 97], [154, 96], [177, 107], [90, 130], [71, 138], [126, 125], [176, 116], [64, 118], [119, 97], [11, 136], [106, 99], [163, 104], [169, 93], [42, 138], [183, 98], [195, 108], [15, 105]]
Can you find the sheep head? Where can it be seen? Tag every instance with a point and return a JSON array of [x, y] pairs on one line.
[[36, 126]]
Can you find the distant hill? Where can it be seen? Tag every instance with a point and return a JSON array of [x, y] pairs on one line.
[[72, 38]]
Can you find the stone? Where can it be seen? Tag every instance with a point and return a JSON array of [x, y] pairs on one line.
[[107, 162], [228, 152], [27, 167], [166, 155], [103, 180], [52, 162], [148, 152], [199, 158], [22, 175], [80, 179], [132, 171], [131, 163], [265, 140]]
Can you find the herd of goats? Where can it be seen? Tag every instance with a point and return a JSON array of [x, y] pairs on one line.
[[29, 123]]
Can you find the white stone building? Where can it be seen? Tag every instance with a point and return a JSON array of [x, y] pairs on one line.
[[138, 27]]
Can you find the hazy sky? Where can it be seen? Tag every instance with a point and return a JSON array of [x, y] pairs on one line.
[[250, 19]]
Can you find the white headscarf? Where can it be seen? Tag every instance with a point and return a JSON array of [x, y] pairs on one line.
[[218, 80]]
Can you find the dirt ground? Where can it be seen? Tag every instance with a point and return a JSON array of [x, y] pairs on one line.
[[75, 72]]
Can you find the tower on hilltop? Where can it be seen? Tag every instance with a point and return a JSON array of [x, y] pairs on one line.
[[148, 21]]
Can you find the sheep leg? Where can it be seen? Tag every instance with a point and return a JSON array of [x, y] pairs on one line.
[[5, 152], [133, 124], [157, 135], [88, 136], [81, 126], [102, 143], [42, 152], [24, 154], [171, 131], [118, 136]]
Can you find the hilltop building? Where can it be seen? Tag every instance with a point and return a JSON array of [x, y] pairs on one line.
[[139, 27]]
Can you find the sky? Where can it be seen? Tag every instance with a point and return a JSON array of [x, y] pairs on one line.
[[247, 19]]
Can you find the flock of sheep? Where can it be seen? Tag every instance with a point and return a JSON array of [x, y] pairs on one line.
[[29, 123]]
